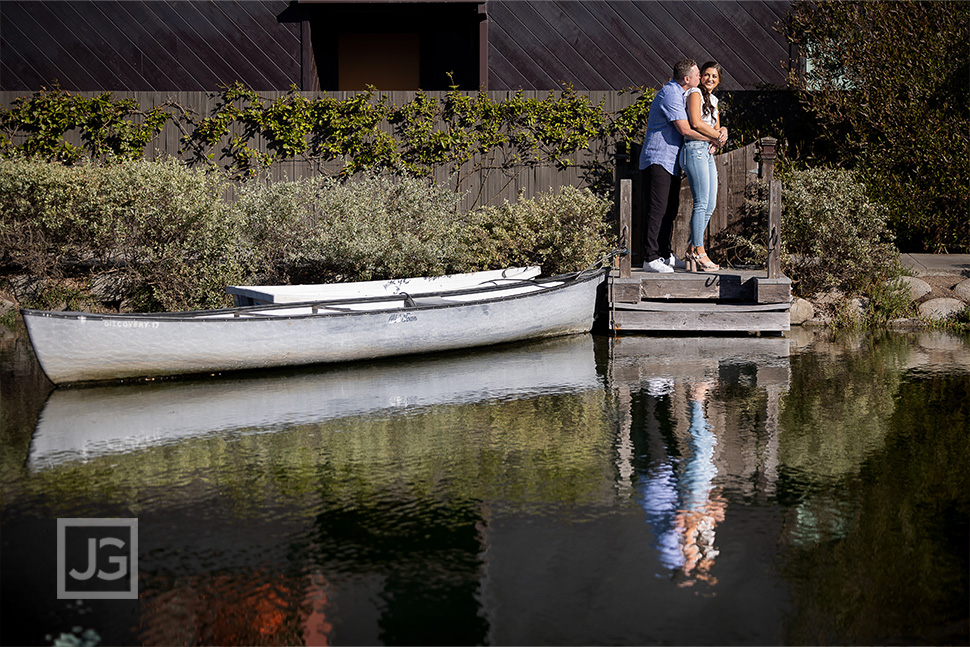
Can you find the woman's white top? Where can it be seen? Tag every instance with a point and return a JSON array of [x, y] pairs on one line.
[[711, 119]]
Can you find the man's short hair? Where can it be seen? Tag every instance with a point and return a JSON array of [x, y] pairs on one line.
[[682, 68]]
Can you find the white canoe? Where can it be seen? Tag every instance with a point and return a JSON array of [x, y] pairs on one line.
[[252, 295], [77, 346]]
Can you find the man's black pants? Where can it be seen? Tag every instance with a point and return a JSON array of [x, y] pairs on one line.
[[663, 198]]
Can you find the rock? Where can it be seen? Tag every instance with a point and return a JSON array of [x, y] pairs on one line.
[[111, 286], [829, 298], [962, 289], [917, 287], [26, 288], [942, 308], [801, 311], [858, 307]]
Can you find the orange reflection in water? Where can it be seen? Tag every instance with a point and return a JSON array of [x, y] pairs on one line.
[[249, 608]]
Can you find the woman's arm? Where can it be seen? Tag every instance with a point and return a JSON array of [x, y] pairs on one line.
[[722, 130], [697, 123]]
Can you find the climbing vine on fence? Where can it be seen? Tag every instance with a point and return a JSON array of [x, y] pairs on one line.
[[462, 134], [108, 127]]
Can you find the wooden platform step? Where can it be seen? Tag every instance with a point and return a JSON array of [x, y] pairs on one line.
[[729, 301], [692, 317], [739, 285]]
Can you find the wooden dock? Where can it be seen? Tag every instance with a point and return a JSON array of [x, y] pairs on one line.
[[728, 301]]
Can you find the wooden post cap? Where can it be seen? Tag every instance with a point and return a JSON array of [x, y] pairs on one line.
[[767, 147]]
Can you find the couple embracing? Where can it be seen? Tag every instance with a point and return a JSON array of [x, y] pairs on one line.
[[683, 131]]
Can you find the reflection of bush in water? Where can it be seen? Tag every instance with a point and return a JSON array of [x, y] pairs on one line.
[[546, 449], [855, 430]]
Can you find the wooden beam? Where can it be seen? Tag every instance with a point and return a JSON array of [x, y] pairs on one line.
[[723, 308], [766, 146], [644, 321], [683, 285], [626, 290], [772, 290], [626, 226], [774, 229]]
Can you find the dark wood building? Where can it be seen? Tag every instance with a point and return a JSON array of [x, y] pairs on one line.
[[497, 45]]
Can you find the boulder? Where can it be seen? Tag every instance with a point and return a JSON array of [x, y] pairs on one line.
[[801, 311], [858, 307], [942, 308], [962, 289], [916, 287], [111, 286], [26, 288]]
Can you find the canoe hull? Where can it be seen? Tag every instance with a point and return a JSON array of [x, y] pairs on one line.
[[73, 347]]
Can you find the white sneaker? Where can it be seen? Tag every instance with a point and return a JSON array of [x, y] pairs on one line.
[[676, 263], [660, 386], [659, 266]]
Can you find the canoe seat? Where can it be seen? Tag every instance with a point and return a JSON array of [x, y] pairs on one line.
[[433, 301]]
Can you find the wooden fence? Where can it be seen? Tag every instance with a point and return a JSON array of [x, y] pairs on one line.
[[491, 186]]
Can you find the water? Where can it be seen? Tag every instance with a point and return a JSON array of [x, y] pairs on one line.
[[807, 490]]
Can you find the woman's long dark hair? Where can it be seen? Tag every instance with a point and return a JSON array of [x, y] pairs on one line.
[[708, 108]]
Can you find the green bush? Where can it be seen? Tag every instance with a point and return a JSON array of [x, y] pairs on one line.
[[372, 226], [563, 231], [159, 229], [176, 234], [160, 236], [834, 237], [887, 84], [44, 215], [380, 226]]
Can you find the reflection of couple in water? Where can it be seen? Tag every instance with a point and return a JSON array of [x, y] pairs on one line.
[[677, 489]]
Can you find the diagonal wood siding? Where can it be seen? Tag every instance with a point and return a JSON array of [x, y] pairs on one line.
[[196, 45], [537, 44], [148, 46]]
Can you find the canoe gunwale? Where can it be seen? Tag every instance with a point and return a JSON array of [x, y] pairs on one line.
[[253, 312]]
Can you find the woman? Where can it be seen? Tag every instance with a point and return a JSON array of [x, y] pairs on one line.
[[696, 157]]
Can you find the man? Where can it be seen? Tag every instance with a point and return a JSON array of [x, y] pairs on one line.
[[667, 126]]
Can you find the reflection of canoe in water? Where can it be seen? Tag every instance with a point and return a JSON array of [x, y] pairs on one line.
[[252, 295], [83, 423], [76, 346]]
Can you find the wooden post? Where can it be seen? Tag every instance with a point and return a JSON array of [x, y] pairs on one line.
[[626, 225], [766, 171]]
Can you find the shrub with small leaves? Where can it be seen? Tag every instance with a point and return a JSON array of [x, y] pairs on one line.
[[380, 226], [160, 228], [563, 231], [834, 237], [373, 226]]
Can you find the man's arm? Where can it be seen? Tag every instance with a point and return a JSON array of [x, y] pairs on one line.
[[683, 127]]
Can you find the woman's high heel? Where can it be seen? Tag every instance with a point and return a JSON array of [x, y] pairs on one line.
[[700, 263]]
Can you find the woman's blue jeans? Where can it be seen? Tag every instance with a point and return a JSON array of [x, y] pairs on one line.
[[696, 159]]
